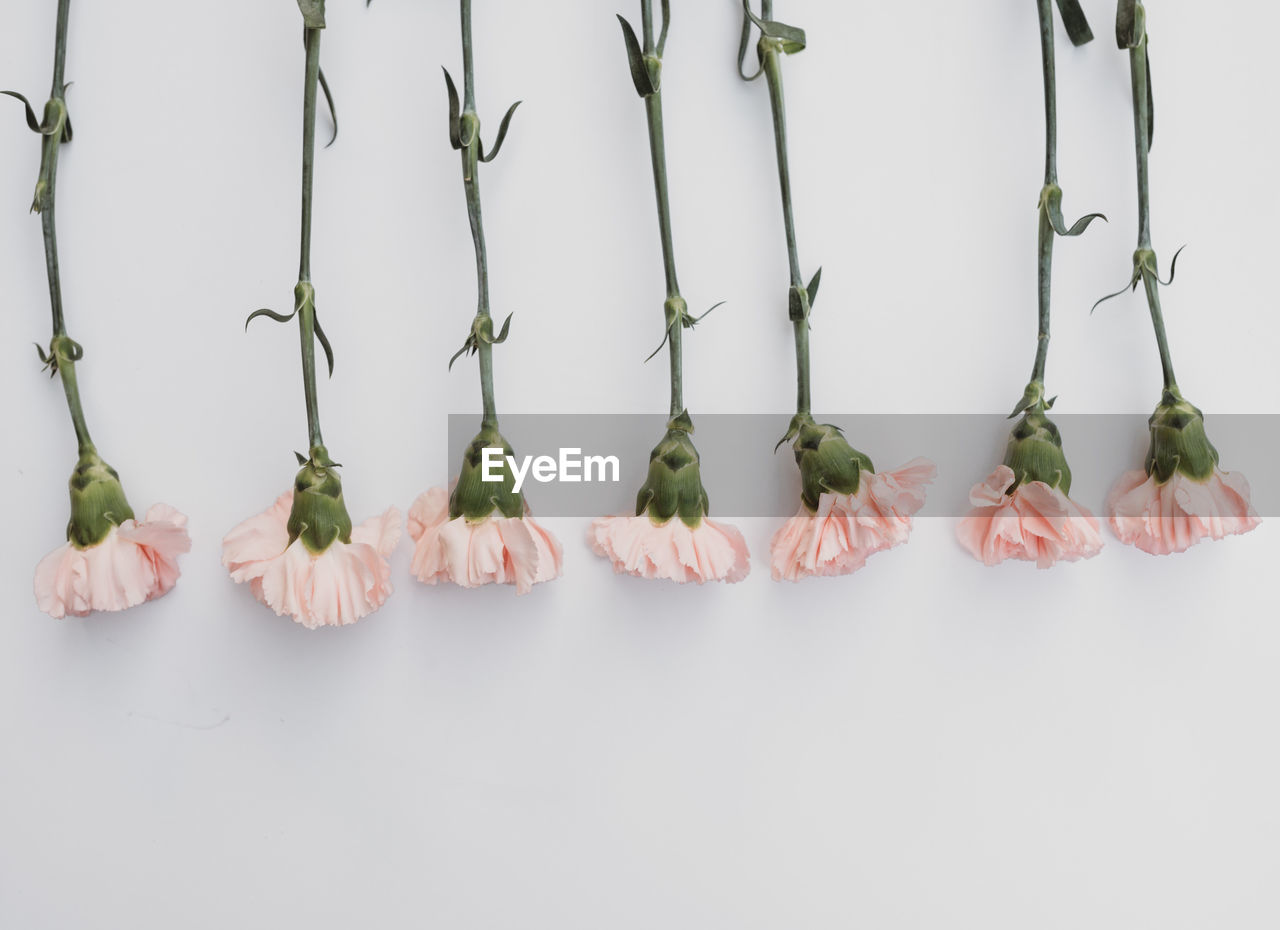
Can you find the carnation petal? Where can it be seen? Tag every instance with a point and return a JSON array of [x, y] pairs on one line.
[[1033, 523], [673, 551], [135, 563]]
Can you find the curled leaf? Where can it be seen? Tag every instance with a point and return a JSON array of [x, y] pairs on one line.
[[792, 38], [485, 331], [324, 344], [333, 111], [1131, 286], [1173, 269], [455, 111], [33, 122], [1073, 18], [278, 317], [666, 26], [502, 135]]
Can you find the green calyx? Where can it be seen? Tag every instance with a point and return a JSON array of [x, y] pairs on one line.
[[674, 485], [477, 499], [1035, 445], [98, 503], [828, 464], [319, 516], [1178, 440]]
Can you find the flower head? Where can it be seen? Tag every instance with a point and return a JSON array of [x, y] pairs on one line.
[[302, 556], [848, 511], [133, 563], [1023, 511], [1182, 496], [670, 537], [110, 561], [838, 535], [493, 550], [481, 532], [1031, 521]]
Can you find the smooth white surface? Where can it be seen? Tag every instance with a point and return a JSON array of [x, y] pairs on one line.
[[927, 744]]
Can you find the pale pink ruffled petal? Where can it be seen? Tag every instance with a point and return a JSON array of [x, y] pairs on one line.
[[848, 528], [497, 550], [1033, 523], [135, 563], [1172, 517], [672, 550], [258, 539], [343, 584]]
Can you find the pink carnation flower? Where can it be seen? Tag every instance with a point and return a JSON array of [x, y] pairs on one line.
[[339, 586], [497, 550], [135, 563], [848, 528], [1033, 522], [673, 550], [1174, 516]]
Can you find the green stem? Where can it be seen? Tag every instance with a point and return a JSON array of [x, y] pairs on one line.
[[309, 147], [658, 154], [71, 388], [63, 349], [49, 171], [657, 149], [471, 182], [1050, 92], [773, 74], [1050, 178], [1138, 70], [306, 307], [1046, 285]]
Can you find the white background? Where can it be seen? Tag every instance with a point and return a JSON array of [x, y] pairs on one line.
[[926, 744]]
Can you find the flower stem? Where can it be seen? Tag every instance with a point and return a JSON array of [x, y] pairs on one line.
[[1139, 72], [471, 182], [772, 63], [1050, 91], [306, 307], [63, 351], [71, 388], [658, 154], [1050, 178]]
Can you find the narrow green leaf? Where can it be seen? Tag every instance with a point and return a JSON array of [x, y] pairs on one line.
[[1173, 268], [1151, 104], [745, 44], [1131, 286], [278, 317], [793, 38], [455, 111], [635, 58], [33, 122], [502, 134], [1073, 18], [324, 344], [333, 111], [813, 287], [692, 321]]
